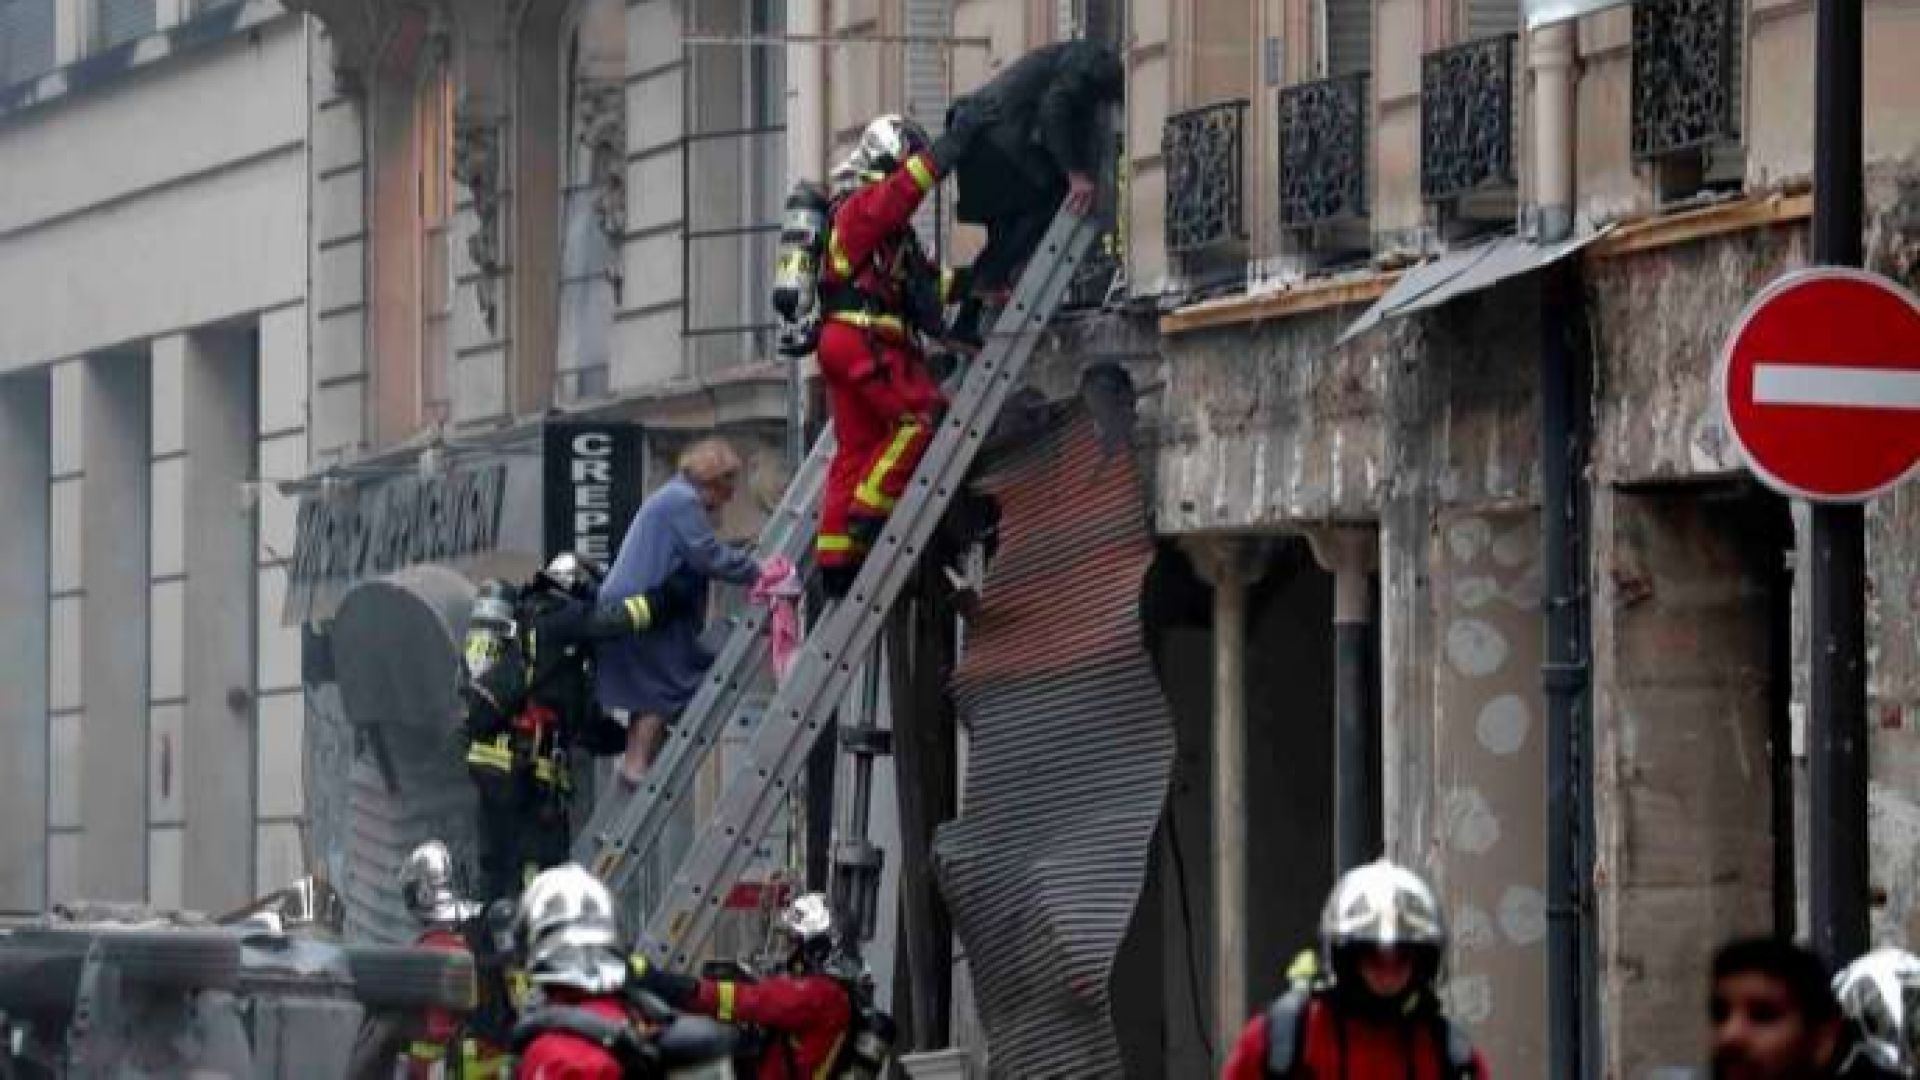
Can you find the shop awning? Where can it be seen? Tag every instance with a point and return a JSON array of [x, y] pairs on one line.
[[1458, 273]]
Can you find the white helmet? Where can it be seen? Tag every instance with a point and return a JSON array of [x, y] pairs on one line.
[[571, 932], [808, 918], [884, 146], [573, 573], [1880, 995], [1381, 905], [429, 883]]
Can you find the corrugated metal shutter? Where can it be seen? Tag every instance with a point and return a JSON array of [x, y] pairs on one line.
[[26, 39], [1491, 18], [1070, 755], [1349, 37], [122, 20]]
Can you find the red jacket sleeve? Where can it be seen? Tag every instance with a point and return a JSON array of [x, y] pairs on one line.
[[1249, 1058], [785, 1004], [876, 212]]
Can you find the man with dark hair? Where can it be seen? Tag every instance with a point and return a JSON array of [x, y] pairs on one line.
[[1773, 1013]]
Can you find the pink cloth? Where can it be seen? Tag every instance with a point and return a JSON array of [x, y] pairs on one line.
[[779, 590]]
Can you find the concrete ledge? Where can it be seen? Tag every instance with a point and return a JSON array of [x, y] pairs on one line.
[[1281, 304], [1754, 212]]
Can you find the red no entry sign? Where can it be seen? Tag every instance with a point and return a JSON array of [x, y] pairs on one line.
[[1820, 384]]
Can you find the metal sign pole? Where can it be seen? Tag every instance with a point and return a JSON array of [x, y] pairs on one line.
[[1839, 867]]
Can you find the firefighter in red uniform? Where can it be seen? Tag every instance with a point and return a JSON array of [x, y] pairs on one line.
[[429, 885], [587, 1029], [1383, 937], [881, 296], [806, 1013]]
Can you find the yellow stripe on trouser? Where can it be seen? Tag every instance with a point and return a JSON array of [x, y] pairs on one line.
[[639, 613], [484, 1062], [426, 1051], [724, 1013], [835, 542], [837, 255], [870, 493]]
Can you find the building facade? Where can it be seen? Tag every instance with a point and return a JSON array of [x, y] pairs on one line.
[[153, 390], [524, 215], [1424, 309]]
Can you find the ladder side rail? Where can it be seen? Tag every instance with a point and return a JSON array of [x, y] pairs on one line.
[[801, 709], [625, 825]]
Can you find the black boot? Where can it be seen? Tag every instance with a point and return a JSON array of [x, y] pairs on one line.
[[837, 581], [965, 331]]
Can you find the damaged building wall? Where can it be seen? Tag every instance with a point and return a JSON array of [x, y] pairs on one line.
[[1428, 428], [1660, 318]]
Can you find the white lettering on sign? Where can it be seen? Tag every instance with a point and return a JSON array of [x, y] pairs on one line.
[[1835, 387], [592, 477]]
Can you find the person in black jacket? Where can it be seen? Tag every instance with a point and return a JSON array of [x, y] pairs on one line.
[[1040, 154]]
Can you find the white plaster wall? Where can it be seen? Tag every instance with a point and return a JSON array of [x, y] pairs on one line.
[[166, 199], [230, 243], [224, 103]]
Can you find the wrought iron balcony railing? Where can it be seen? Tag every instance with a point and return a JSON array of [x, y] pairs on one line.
[[1686, 88], [1323, 151], [1466, 118], [1204, 150]]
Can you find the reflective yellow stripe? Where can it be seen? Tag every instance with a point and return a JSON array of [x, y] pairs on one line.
[[724, 1013], [837, 255], [637, 963], [868, 321], [833, 1055], [426, 1051], [497, 754], [482, 1062], [922, 173], [639, 613], [947, 280], [833, 543], [869, 492]]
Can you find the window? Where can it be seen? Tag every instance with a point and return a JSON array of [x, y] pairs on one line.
[[433, 125], [117, 22], [735, 180], [26, 39], [593, 197]]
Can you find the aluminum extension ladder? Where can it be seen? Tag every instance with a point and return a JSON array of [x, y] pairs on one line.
[[625, 830]]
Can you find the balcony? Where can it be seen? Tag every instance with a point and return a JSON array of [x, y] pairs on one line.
[[1685, 75], [1466, 118], [1204, 150], [1323, 152]]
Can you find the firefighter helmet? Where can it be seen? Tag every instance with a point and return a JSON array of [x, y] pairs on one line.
[[808, 918], [1880, 995], [884, 146], [571, 932], [1381, 906], [572, 573], [430, 885]]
